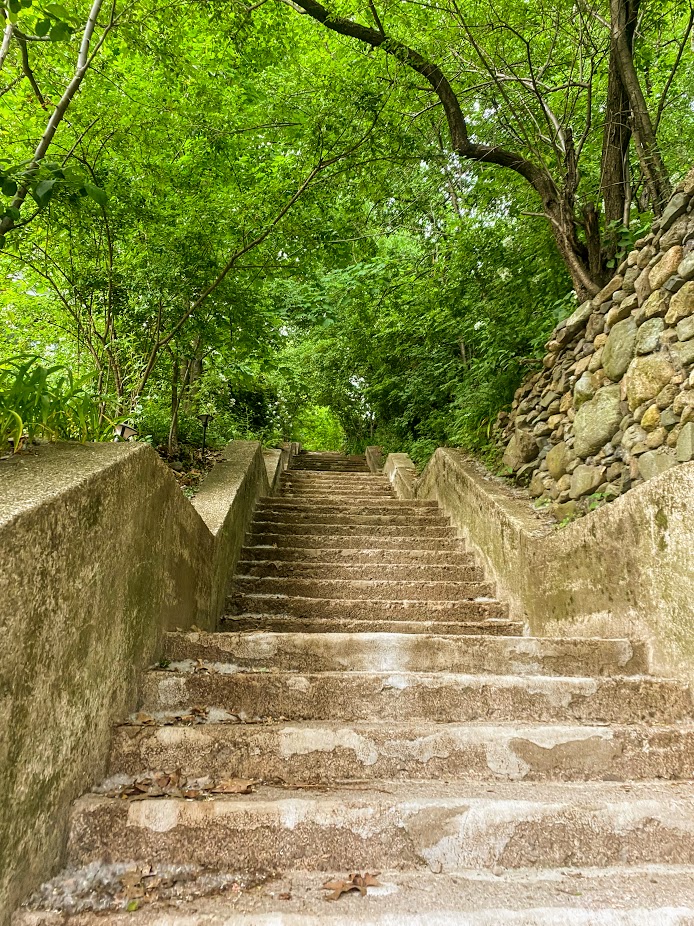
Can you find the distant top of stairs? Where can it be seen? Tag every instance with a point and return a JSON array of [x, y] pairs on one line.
[[329, 462]]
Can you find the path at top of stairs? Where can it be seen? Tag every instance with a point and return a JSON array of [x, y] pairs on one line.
[[384, 713]]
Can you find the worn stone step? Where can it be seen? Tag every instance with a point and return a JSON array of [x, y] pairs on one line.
[[363, 589], [428, 827], [350, 490], [324, 484], [638, 895], [331, 468], [303, 520], [357, 527], [353, 505], [356, 541], [405, 652], [354, 479], [316, 626], [404, 572], [366, 609], [436, 697], [325, 752], [454, 555], [283, 508], [338, 497]]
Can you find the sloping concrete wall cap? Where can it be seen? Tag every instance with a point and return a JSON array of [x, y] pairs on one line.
[[100, 552], [624, 570]]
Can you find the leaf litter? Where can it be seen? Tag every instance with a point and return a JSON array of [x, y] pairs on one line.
[[173, 784], [99, 887], [355, 882], [191, 716]]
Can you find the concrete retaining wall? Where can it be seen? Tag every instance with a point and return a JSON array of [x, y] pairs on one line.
[[624, 570], [100, 552], [374, 459]]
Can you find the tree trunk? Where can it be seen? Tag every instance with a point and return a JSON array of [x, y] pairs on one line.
[[614, 176], [173, 427], [623, 15]]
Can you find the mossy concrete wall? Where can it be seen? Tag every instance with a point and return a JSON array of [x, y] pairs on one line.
[[100, 552], [626, 569]]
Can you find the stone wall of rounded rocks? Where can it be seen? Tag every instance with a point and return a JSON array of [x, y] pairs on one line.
[[613, 404]]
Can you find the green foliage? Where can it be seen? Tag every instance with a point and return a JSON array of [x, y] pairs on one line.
[[317, 427], [38, 401], [249, 217]]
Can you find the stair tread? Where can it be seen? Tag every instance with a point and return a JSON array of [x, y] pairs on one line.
[[647, 895], [198, 667], [389, 650], [257, 622], [411, 796]]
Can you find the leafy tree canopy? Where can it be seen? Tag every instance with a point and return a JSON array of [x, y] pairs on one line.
[[348, 222]]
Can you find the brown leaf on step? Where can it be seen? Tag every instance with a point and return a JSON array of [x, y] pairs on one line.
[[234, 786], [355, 882], [142, 718], [285, 896]]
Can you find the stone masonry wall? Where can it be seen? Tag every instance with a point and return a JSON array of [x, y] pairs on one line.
[[613, 405]]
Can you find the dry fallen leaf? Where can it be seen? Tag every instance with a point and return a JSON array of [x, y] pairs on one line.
[[234, 786], [355, 882]]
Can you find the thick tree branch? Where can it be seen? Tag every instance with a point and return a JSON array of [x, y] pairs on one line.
[[650, 158], [6, 39], [26, 67], [673, 72], [437, 80]]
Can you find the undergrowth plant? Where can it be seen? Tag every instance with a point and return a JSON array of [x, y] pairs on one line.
[[46, 401]]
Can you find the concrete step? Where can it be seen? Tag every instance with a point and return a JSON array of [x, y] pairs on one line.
[[340, 496], [323, 753], [338, 470], [353, 505], [299, 520], [333, 470], [403, 572], [454, 555], [639, 895], [366, 609], [286, 509], [317, 626], [399, 696], [308, 478], [428, 827], [363, 589], [357, 527], [405, 652], [349, 490], [357, 541]]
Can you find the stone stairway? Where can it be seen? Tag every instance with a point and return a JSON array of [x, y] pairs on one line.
[[368, 706]]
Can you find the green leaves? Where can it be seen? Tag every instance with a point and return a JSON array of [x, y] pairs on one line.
[[60, 32], [8, 187], [96, 193], [43, 191], [16, 6]]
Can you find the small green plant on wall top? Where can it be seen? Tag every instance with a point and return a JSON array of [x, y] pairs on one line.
[[47, 402]]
